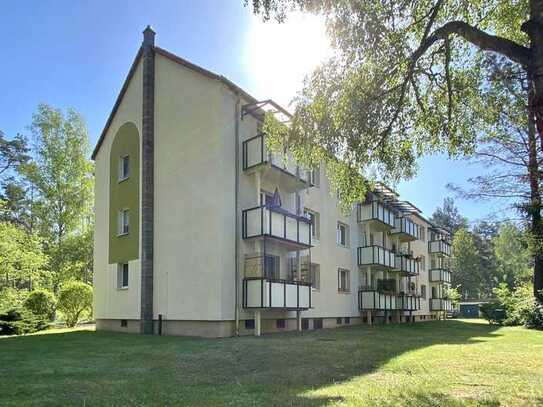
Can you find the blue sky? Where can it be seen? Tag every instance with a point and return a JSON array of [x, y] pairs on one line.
[[77, 54]]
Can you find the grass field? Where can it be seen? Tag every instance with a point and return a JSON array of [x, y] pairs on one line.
[[436, 363]]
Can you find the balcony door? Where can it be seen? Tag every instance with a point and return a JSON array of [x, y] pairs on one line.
[[271, 267]]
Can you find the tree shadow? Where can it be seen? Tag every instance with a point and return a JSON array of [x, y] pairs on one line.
[[275, 369]]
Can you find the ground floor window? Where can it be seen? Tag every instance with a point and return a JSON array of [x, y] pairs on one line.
[[249, 324], [317, 323], [122, 275], [347, 320], [338, 321], [280, 323]]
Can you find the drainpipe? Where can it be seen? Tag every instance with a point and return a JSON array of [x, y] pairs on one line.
[[236, 216]]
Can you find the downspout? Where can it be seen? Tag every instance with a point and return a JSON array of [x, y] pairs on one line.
[[236, 215]]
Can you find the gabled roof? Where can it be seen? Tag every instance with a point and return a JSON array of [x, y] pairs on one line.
[[172, 57]]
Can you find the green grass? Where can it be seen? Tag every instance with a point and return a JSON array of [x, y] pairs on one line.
[[437, 363]]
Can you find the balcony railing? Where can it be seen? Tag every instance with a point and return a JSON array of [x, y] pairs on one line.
[[440, 247], [409, 302], [260, 292], [371, 299], [376, 211], [407, 265], [376, 256], [275, 222], [406, 229], [440, 276], [255, 153], [440, 304]]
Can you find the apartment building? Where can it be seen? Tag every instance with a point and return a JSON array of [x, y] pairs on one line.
[[201, 230]]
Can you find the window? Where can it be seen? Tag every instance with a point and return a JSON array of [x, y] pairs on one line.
[[434, 292], [317, 323], [124, 222], [422, 263], [266, 198], [249, 324], [124, 168], [280, 323], [339, 321], [342, 234], [124, 323], [271, 267], [305, 324], [343, 277], [314, 177], [315, 276], [423, 291], [312, 275], [314, 217], [347, 320], [122, 275]]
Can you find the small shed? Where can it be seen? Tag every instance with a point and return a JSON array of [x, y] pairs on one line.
[[470, 309]]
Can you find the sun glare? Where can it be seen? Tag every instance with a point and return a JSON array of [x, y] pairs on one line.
[[279, 56]]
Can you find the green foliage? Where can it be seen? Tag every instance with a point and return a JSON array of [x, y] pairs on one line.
[[534, 319], [511, 307], [452, 294], [12, 298], [449, 217], [22, 260], [75, 302], [465, 264], [60, 174], [19, 321], [41, 303], [512, 256]]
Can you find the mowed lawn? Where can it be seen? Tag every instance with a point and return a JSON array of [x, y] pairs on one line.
[[435, 363]]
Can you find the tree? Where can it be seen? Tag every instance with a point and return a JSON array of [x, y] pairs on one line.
[[75, 301], [465, 265], [512, 256], [61, 176], [22, 261], [448, 217], [407, 81], [13, 153], [484, 233]]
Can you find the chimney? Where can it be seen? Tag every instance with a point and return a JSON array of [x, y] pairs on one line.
[[148, 37]]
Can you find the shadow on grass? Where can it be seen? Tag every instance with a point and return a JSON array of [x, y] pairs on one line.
[[277, 369]]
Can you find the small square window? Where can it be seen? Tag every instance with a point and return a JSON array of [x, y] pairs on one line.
[[124, 222], [122, 275], [347, 320], [317, 323], [124, 167], [124, 323], [338, 321], [249, 324], [280, 324]]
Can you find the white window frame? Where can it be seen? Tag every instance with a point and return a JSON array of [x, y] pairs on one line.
[[120, 276], [315, 276], [122, 227], [314, 217], [121, 176], [345, 227], [314, 177], [340, 288]]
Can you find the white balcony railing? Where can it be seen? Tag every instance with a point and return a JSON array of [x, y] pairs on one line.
[[407, 228], [376, 256], [275, 222], [255, 153], [407, 265], [372, 299], [276, 294], [440, 304], [376, 211], [440, 247], [440, 276]]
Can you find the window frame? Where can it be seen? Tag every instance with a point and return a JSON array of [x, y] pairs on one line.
[[345, 227], [347, 273], [123, 269], [315, 227], [121, 175], [122, 228]]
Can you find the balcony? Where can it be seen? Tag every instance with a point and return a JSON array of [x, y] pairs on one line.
[[276, 223], [440, 304], [266, 293], [372, 299], [439, 247], [409, 302], [406, 230], [281, 168], [376, 256], [440, 276], [407, 265], [376, 214]]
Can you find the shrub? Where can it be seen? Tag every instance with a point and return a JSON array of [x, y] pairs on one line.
[[494, 312], [11, 298], [41, 303], [511, 307], [75, 302], [535, 316], [19, 321]]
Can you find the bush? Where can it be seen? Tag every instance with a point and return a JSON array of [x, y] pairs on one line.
[[494, 312], [11, 298], [535, 317], [75, 302], [41, 303], [19, 321], [511, 307]]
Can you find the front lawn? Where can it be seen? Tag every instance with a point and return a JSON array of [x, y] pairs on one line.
[[436, 363]]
